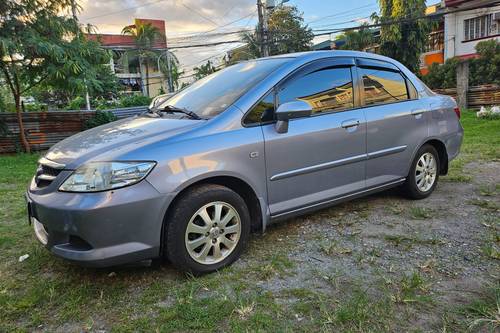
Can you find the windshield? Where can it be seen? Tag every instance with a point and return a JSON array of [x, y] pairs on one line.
[[215, 93]]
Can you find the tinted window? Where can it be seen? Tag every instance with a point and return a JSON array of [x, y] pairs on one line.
[[215, 93], [329, 89], [262, 112], [382, 86]]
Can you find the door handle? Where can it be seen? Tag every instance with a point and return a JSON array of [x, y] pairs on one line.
[[417, 112], [350, 123]]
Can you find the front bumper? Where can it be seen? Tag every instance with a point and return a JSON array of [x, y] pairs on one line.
[[100, 229]]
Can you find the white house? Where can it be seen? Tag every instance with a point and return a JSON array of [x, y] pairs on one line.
[[468, 22]]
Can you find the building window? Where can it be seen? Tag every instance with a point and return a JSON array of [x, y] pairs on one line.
[[435, 41], [478, 27]]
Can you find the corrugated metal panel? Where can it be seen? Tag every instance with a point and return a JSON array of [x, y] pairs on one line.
[[129, 112], [44, 129]]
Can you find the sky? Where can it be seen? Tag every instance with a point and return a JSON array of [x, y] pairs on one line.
[[187, 20]]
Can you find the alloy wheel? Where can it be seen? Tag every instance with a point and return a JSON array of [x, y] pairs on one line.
[[213, 233], [425, 172]]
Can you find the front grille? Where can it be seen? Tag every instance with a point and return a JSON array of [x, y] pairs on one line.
[[47, 172]]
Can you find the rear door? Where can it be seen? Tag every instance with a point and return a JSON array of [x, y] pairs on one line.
[[396, 120], [321, 156]]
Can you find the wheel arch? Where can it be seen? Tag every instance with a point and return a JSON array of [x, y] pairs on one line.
[[238, 185], [442, 153]]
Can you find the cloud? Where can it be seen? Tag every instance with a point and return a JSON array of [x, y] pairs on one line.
[[182, 17]]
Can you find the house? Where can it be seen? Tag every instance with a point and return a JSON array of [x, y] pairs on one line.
[[134, 75], [466, 23], [434, 50]]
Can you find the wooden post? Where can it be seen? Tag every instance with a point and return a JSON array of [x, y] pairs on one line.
[[462, 84]]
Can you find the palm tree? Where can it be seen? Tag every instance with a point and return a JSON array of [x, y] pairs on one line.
[[175, 73], [358, 40], [204, 70], [145, 35]]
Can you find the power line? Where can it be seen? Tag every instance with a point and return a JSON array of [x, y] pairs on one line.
[[391, 22], [199, 14], [340, 23], [221, 26], [122, 10], [337, 14]]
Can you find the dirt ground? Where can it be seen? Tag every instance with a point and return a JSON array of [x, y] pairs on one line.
[[448, 239], [377, 264]]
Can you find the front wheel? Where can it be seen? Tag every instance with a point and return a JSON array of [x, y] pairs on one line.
[[207, 229], [424, 173]]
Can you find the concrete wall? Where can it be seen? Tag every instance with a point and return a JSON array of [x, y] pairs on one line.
[[454, 36]]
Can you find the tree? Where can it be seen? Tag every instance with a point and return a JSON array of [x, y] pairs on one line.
[[204, 70], [39, 44], [405, 40], [145, 35], [175, 72], [287, 33], [486, 68], [358, 40]]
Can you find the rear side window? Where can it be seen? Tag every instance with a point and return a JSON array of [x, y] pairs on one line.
[[383, 86], [325, 90]]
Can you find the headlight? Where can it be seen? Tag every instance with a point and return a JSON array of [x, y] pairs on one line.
[[102, 176]]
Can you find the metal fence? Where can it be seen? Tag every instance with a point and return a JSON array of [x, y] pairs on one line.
[[44, 129]]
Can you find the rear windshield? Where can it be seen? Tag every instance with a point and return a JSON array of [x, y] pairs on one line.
[[215, 93]]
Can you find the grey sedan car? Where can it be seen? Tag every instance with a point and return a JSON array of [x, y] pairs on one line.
[[257, 142]]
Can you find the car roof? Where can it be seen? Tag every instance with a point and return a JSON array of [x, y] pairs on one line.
[[313, 55]]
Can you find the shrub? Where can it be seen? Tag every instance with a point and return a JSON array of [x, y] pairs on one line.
[[100, 118], [134, 100], [35, 107], [78, 103]]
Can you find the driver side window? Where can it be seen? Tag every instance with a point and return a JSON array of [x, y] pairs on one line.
[[325, 90]]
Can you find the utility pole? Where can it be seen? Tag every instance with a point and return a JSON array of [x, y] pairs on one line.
[[262, 13], [169, 69], [87, 97], [170, 85]]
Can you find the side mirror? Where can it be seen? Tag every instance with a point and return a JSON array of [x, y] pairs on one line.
[[291, 110]]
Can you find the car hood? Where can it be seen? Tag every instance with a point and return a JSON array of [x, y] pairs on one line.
[[129, 133]]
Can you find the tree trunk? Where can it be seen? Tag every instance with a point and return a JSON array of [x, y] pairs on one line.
[[22, 135]]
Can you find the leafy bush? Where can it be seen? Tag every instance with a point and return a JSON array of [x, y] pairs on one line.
[[35, 107], [100, 118], [134, 100], [78, 103], [486, 69], [104, 104], [442, 76]]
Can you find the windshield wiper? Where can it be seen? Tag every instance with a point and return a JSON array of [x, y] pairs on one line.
[[174, 109]]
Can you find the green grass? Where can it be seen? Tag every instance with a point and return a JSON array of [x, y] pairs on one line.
[[481, 142], [248, 296]]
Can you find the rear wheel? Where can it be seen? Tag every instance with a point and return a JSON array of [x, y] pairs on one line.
[[207, 229], [424, 173]]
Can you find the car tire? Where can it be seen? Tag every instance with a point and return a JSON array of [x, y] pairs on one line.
[[193, 221], [422, 179]]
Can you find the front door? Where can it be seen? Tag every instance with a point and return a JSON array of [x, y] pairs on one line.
[[322, 156]]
